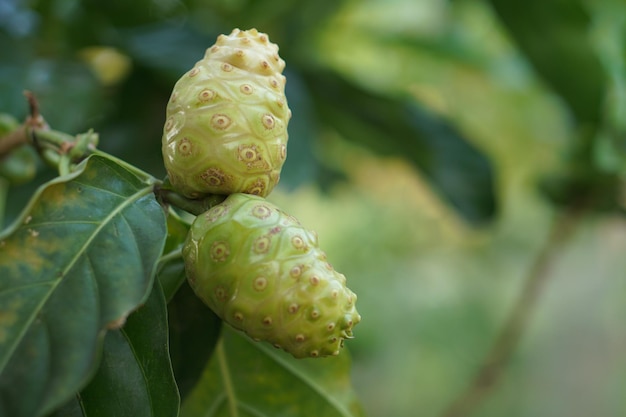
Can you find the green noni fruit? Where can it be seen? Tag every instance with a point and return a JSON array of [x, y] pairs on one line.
[[263, 273], [226, 120]]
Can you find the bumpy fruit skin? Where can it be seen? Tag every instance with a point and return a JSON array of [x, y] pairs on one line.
[[226, 120], [258, 269]]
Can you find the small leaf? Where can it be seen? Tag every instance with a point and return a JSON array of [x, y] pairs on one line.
[[460, 172], [246, 378], [177, 229], [80, 259], [171, 269]]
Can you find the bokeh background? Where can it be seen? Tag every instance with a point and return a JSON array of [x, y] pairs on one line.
[[435, 147]]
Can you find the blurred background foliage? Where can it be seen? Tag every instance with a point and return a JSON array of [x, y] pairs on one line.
[[432, 144]]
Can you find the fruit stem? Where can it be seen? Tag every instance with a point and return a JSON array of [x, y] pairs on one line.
[[169, 257], [193, 206], [12, 140], [60, 149]]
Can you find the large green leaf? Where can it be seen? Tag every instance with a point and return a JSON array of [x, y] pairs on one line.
[[554, 36], [77, 262], [245, 378], [459, 171], [135, 370]]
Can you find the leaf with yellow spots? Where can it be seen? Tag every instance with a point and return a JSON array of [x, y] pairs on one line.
[[78, 261]]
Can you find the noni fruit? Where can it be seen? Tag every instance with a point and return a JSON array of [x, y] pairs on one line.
[[226, 120], [263, 273]]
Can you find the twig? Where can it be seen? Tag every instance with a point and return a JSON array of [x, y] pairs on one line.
[[34, 119], [492, 368], [12, 140], [23, 134]]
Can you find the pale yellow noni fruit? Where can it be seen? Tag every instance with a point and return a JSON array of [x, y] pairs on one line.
[[226, 120]]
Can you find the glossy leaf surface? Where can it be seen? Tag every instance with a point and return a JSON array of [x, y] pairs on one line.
[[135, 376], [78, 261]]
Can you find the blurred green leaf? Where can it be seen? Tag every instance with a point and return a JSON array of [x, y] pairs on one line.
[[69, 95], [246, 378], [78, 261], [301, 165], [165, 47], [194, 332], [554, 36], [135, 370], [20, 166], [460, 172]]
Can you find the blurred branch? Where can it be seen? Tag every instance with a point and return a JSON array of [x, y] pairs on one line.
[[493, 366], [20, 135], [12, 140]]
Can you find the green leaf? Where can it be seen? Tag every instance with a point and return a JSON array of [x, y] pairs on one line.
[[77, 262], [68, 93], [460, 172], [135, 370], [554, 36], [191, 320], [157, 47], [246, 378]]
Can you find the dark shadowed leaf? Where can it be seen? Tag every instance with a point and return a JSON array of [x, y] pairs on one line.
[[171, 275], [249, 379], [135, 376], [554, 36], [78, 261], [459, 171], [167, 48], [194, 331], [300, 166]]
